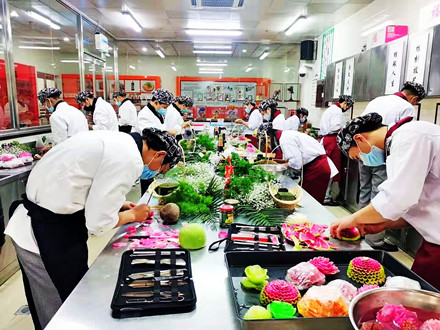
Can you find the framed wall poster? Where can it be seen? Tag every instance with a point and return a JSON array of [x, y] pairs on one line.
[[338, 80], [276, 91], [349, 74], [241, 93], [416, 59], [133, 86], [291, 92], [186, 93], [148, 86], [327, 51], [394, 65]]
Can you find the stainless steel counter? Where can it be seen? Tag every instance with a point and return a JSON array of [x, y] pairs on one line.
[[9, 175], [88, 307], [12, 186]]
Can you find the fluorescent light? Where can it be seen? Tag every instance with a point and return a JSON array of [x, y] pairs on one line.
[[213, 46], [144, 49], [376, 28], [110, 48], [66, 39], [69, 61], [211, 64], [13, 14], [248, 69], [225, 52], [291, 29], [286, 69], [160, 53], [209, 72], [264, 55], [211, 69], [135, 25], [131, 66], [244, 50], [43, 19], [217, 33], [107, 54], [39, 47], [173, 68]]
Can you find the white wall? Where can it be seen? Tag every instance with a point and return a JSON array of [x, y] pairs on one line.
[[348, 41]]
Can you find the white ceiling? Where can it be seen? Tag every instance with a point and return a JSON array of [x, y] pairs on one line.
[[263, 23]]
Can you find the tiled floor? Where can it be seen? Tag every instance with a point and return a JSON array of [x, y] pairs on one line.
[[12, 294]]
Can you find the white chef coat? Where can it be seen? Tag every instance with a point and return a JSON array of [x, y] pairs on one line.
[[147, 118], [299, 148], [127, 114], [412, 190], [104, 116], [66, 121], [173, 119], [92, 170], [392, 108], [255, 120], [278, 122], [332, 120], [292, 123]]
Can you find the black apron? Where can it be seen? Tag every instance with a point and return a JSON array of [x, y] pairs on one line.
[[62, 241]]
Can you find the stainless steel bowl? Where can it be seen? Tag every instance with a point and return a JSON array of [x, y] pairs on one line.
[[376, 299]]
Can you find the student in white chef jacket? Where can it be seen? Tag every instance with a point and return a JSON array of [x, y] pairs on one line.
[[272, 115], [152, 115], [127, 112], [104, 116], [298, 117], [411, 193], [332, 121], [392, 108], [174, 117], [302, 151], [255, 117], [77, 188], [65, 120]]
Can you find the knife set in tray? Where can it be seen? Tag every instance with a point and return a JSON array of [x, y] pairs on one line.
[[153, 282], [251, 238]]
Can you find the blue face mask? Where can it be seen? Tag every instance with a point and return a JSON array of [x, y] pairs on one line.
[[50, 109], [118, 103], [376, 156], [184, 111], [147, 173], [267, 117], [162, 112], [303, 120], [248, 110]]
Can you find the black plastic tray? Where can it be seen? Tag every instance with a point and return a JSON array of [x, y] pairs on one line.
[[120, 306], [277, 264]]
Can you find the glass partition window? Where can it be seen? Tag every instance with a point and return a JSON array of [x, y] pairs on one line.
[[45, 55]]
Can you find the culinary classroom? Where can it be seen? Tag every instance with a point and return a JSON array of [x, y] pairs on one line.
[[220, 164]]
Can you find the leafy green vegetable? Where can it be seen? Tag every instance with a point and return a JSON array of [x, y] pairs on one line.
[[265, 217], [189, 201], [204, 140]]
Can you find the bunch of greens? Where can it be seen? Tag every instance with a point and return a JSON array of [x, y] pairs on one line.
[[264, 217], [244, 178], [203, 143], [189, 200], [200, 203], [17, 148]]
